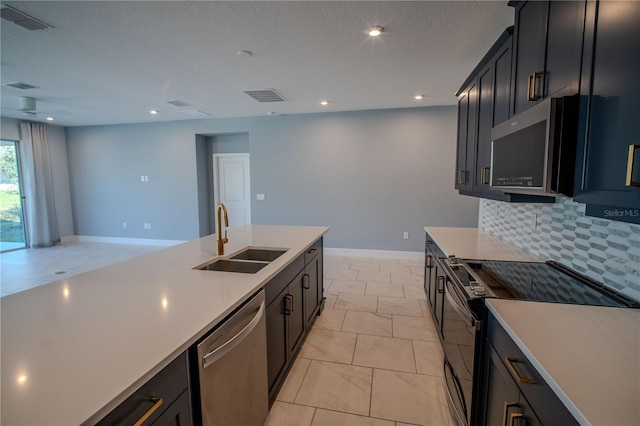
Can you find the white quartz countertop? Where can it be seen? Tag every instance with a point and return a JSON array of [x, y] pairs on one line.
[[72, 350], [589, 355], [474, 243]]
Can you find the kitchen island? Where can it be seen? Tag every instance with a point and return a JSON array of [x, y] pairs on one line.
[[74, 349]]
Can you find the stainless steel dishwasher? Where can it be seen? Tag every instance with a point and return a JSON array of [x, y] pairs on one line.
[[232, 367]]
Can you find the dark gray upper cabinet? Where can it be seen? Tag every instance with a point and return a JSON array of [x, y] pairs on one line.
[[609, 173], [502, 83], [548, 38], [467, 104], [483, 102]]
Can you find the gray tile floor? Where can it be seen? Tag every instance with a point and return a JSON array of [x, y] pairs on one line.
[[373, 357]]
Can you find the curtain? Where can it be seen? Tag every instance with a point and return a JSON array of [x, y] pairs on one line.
[[40, 212]]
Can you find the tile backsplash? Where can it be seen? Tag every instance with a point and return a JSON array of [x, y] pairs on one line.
[[604, 250]]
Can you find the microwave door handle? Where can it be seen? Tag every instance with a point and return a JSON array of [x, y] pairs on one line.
[[468, 317]]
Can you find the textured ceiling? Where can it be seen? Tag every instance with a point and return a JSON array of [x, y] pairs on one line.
[[110, 62]]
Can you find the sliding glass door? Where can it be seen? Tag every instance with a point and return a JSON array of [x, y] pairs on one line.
[[12, 235]]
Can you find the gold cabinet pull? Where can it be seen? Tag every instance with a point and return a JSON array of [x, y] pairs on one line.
[[630, 161], [514, 373], [514, 416], [461, 177], [532, 91], [483, 175], [507, 405], [157, 403]]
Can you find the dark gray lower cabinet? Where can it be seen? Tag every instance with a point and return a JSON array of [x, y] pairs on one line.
[[434, 280], [514, 392], [291, 313], [163, 400], [311, 280]]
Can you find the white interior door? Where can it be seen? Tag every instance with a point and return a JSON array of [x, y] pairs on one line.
[[232, 186]]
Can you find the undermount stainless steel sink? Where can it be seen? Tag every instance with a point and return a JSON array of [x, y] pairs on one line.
[[225, 265], [260, 254], [248, 261]]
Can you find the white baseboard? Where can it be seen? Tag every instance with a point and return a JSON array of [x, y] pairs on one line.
[[132, 241], [380, 254], [69, 239]]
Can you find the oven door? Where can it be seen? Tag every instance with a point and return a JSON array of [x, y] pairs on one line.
[[460, 328]]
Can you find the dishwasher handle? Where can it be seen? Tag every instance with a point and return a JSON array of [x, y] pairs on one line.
[[222, 350]]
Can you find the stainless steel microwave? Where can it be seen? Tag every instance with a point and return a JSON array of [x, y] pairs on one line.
[[535, 151]]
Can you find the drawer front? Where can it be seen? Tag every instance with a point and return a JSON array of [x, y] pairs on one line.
[[313, 251], [274, 287], [536, 391], [154, 397]]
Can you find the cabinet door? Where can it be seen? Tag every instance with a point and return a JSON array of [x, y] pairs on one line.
[[428, 267], [607, 176], [294, 308], [502, 394], [502, 84], [177, 414], [565, 33], [467, 111], [485, 119], [312, 293], [530, 41], [438, 303], [277, 350]]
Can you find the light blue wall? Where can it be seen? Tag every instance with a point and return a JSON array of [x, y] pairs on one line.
[[370, 176], [56, 136]]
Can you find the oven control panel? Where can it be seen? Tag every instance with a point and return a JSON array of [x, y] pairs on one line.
[[464, 276]]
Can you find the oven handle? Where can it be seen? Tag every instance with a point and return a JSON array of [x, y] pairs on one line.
[[464, 313], [453, 409]]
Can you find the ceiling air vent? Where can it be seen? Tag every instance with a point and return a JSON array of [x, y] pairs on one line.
[[20, 85], [178, 103], [195, 113], [22, 19], [268, 95]]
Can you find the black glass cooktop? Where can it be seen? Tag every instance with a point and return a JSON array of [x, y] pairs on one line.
[[543, 282]]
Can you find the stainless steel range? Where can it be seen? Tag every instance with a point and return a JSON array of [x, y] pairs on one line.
[[456, 290]]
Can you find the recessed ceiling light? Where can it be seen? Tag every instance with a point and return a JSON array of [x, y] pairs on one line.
[[418, 97], [324, 103], [153, 112], [375, 31], [49, 118]]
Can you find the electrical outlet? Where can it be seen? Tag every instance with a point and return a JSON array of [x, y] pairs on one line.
[[405, 235], [147, 225], [260, 197], [141, 178], [124, 225]]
